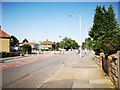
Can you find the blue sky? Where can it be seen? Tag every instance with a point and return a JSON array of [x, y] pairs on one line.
[[39, 21]]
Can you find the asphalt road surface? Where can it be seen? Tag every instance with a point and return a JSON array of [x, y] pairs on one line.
[[33, 75]]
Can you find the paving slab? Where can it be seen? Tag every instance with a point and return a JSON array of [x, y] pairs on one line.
[[65, 83], [82, 73]]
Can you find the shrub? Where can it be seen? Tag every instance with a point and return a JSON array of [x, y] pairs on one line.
[[8, 54], [26, 48]]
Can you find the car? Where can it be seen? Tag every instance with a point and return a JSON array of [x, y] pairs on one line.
[[19, 50]]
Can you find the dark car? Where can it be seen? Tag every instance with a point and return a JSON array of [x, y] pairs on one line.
[[19, 50]]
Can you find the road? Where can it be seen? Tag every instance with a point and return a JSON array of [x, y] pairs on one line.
[[34, 74]]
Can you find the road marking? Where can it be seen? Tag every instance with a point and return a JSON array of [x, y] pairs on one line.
[[39, 86], [26, 61], [54, 73], [17, 65], [4, 65]]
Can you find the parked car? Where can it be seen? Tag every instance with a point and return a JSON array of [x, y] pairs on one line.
[[19, 50]]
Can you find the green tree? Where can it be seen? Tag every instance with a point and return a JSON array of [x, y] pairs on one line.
[[14, 41], [83, 45], [26, 48], [57, 45], [74, 44], [88, 43], [53, 46], [97, 24], [105, 31], [67, 43]]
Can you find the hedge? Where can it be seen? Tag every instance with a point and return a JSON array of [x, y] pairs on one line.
[[9, 54]]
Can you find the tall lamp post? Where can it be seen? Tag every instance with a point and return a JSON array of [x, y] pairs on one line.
[[79, 16]]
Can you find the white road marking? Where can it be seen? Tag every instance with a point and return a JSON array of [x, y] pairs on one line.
[[50, 77], [4, 65]]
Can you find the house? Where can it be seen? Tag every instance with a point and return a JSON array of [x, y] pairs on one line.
[[46, 45], [34, 46], [4, 41]]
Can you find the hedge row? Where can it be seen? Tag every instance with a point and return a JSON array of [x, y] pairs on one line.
[[9, 54]]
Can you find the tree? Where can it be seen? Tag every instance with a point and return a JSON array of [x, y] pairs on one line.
[[83, 45], [97, 24], [53, 46], [25, 40], [105, 31], [88, 44], [67, 43], [57, 45], [14, 41], [26, 48]]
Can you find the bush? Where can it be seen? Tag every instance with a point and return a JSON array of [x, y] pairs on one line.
[[44, 50], [26, 48]]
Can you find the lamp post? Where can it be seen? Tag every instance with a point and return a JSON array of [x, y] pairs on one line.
[[79, 16]]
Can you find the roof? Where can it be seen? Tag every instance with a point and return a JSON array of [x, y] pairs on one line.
[[3, 34], [46, 43], [30, 43]]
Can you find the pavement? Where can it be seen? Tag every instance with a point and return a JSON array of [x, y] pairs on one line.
[[3, 60], [79, 73]]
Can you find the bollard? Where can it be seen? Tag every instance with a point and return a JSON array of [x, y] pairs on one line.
[[118, 67]]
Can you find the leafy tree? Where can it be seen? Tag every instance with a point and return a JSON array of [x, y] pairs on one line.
[[88, 44], [26, 48], [57, 45], [14, 41], [53, 46], [67, 43], [83, 45], [74, 44]]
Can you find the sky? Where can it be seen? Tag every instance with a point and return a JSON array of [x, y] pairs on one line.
[[38, 21]]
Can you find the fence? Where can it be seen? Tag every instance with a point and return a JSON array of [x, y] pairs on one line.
[[96, 58], [110, 66]]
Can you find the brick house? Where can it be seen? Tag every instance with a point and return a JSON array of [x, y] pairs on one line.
[[4, 41], [46, 45]]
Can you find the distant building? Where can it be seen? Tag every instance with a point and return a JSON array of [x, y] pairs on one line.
[[34, 46], [46, 44], [4, 41]]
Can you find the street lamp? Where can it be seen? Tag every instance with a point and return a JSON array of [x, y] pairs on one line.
[[79, 16]]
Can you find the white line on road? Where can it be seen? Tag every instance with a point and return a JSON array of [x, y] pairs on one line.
[[53, 74], [4, 65], [50, 77]]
